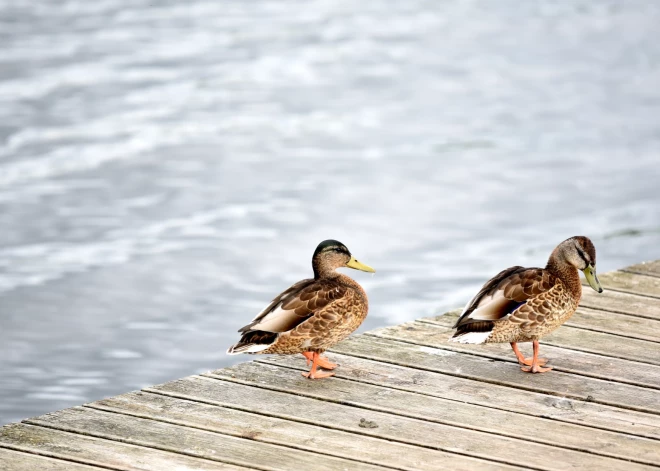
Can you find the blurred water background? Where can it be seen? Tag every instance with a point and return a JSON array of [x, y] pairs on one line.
[[167, 167]]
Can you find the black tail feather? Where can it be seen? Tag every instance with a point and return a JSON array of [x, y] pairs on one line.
[[475, 326], [253, 337]]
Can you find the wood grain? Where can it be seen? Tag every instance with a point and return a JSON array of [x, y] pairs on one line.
[[602, 344], [624, 303], [188, 441], [12, 460], [372, 360], [463, 425], [287, 433], [108, 454], [645, 268], [329, 414], [634, 283]]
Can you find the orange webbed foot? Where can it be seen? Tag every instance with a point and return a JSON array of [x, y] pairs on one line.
[[317, 374], [321, 362], [326, 364], [535, 369], [528, 361]]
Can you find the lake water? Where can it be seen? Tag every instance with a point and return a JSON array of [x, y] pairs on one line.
[[167, 167]]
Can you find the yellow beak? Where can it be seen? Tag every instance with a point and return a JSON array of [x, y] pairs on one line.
[[592, 278], [352, 263]]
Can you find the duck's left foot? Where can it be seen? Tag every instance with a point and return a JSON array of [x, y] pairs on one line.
[[529, 361], [316, 362], [321, 362], [535, 369], [534, 364], [317, 374]]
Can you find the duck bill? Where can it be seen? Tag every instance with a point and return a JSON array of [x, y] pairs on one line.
[[592, 278], [352, 263]]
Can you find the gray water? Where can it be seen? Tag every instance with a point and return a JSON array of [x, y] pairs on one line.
[[167, 167]]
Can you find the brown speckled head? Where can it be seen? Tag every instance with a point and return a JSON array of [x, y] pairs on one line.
[[328, 256], [332, 254], [579, 253]]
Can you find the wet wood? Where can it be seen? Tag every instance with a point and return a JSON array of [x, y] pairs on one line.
[[403, 398]]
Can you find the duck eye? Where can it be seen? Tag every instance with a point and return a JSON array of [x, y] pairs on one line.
[[582, 255]]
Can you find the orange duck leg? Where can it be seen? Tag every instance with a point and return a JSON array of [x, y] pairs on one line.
[[322, 362], [536, 365], [525, 361], [313, 374]]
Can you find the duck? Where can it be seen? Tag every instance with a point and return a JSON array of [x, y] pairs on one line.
[[524, 304], [313, 314]]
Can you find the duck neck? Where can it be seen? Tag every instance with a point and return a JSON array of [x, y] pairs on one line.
[[359, 290], [322, 271], [566, 272]]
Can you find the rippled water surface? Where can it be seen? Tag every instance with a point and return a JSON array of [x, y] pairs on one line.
[[167, 167]]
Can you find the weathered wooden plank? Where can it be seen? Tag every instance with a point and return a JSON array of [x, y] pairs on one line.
[[574, 338], [503, 372], [283, 432], [630, 283], [625, 303], [192, 442], [645, 268], [103, 453], [449, 382], [534, 428], [334, 415], [616, 324], [11, 460], [491, 429]]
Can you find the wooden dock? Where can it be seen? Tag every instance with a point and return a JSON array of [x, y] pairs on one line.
[[404, 398]]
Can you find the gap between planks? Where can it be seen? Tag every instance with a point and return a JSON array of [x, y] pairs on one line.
[[471, 407], [86, 449], [22, 460], [651, 268], [197, 413], [188, 425], [393, 425], [435, 334], [598, 343], [421, 367], [203, 446], [621, 303], [621, 325], [433, 410], [576, 385], [338, 414], [626, 282]]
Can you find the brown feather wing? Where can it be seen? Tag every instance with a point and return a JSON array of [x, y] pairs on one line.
[[295, 305], [504, 293], [539, 309]]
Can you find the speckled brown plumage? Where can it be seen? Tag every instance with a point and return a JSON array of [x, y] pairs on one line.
[[313, 314], [342, 309], [524, 304]]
